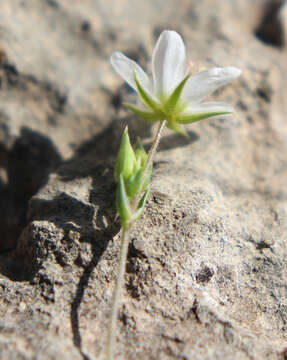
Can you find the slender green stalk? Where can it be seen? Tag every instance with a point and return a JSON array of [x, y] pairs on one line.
[[117, 294], [124, 251], [149, 161]]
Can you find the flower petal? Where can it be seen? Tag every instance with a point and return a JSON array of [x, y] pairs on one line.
[[126, 68], [201, 85], [145, 97], [198, 112], [168, 62], [215, 106]]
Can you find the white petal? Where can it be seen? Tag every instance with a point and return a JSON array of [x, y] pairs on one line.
[[201, 85], [126, 68], [168, 62], [208, 107]]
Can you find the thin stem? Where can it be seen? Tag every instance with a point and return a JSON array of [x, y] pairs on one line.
[[117, 294], [124, 251], [149, 161]]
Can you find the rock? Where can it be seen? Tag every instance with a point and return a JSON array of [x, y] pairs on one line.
[[206, 270]]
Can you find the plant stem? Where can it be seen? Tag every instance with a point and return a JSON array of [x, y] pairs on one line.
[[117, 293], [149, 161], [124, 250]]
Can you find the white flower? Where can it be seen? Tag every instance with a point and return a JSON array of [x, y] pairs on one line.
[[173, 94]]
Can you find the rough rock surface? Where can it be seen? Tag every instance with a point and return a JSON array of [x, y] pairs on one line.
[[206, 271]]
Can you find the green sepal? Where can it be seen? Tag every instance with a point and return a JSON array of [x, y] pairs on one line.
[[176, 127], [146, 115], [145, 97], [122, 202], [126, 158], [191, 118], [141, 206], [172, 101]]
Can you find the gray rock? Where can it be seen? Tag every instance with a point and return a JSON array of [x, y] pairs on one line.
[[206, 270]]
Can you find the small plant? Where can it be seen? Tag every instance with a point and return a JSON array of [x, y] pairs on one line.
[[172, 98]]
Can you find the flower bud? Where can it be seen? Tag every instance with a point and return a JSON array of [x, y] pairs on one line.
[[141, 155], [126, 159], [122, 202]]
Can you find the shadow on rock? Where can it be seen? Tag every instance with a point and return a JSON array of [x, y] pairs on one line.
[[71, 232], [26, 168], [176, 140]]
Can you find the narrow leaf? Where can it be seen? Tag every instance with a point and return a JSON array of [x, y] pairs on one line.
[[145, 114], [141, 206]]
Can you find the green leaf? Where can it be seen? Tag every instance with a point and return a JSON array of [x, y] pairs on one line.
[[145, 114], [191, 118], [122, 202], [126, 158], [141, 206], [143, 200], [145, 97], [174, 98]]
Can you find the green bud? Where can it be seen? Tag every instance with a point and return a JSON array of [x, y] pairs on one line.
[[122, 202], [140, 153], [126, 159], [133, 183]]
